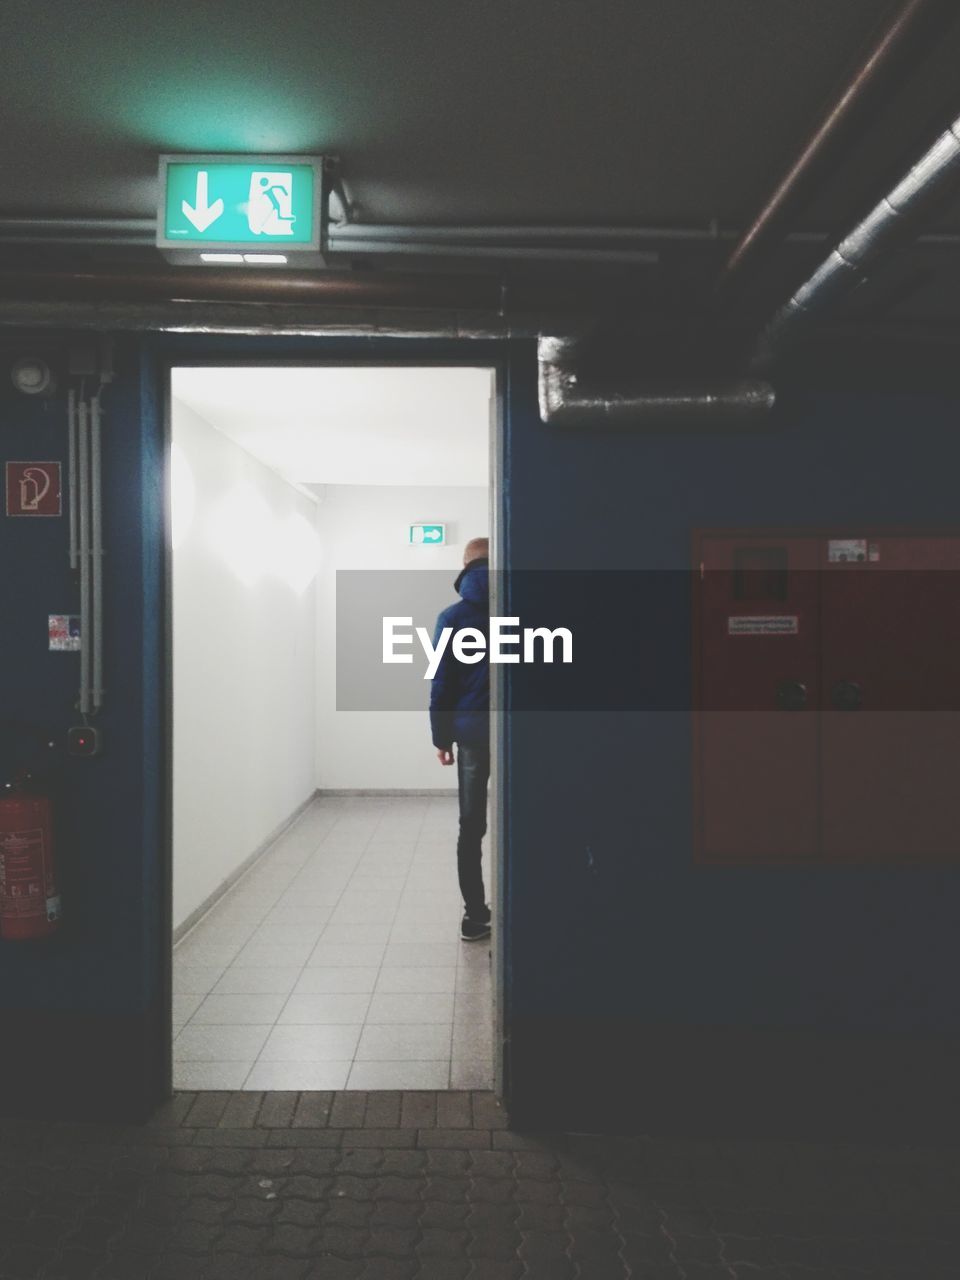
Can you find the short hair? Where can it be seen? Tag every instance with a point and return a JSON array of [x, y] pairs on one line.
[[476, 549]]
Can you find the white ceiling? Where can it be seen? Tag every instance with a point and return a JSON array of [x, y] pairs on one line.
[[389, 426]]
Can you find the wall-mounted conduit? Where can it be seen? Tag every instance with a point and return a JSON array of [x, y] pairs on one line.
[[85, 517]]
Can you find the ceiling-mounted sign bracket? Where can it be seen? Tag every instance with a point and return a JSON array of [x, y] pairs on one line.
[[243, 210]]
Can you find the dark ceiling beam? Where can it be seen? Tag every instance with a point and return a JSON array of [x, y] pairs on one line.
[[290, 319], [163, 284], [893, 53], [502, 297]]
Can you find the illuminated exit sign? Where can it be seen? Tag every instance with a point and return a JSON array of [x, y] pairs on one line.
[[241, 210], [428, 535]]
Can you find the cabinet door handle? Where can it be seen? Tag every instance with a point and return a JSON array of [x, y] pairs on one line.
[[847, 696]]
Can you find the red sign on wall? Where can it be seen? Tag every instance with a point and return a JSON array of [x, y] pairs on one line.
[[33, 489]]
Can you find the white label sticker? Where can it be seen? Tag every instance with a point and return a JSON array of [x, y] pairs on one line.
[[775, 624], [844, 550], [64, 632]]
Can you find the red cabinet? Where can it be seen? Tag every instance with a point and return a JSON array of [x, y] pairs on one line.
[[827, 697]]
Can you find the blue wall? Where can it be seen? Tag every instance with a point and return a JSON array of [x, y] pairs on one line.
[[107, 833], [636, 975], [614, 938], [99, 978], [784, 947]]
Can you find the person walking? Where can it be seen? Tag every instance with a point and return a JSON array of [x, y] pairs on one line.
[[460, 714]]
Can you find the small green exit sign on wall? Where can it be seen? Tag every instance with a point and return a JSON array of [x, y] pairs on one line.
[[241, 210], [428, 535]]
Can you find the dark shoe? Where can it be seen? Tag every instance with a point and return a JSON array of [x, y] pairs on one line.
[[474, 930]]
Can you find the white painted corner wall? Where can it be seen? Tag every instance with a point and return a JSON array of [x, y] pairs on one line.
[[244, 672], [366, 527]]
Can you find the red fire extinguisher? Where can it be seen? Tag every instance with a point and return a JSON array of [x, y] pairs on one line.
[[29, 900]]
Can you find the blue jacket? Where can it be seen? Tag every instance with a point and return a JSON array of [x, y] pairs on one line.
[[460, 692]]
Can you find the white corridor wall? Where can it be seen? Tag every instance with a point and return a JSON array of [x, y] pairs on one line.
[[366, 527], [244, 661]]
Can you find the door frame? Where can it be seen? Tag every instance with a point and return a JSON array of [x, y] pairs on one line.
[[196, 351]]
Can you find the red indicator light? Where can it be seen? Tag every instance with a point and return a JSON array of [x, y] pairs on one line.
[[83, 741]]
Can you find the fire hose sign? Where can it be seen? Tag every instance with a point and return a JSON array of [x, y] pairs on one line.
[[33, 489]]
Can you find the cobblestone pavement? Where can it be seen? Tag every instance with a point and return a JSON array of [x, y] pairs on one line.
[[432, 1186]]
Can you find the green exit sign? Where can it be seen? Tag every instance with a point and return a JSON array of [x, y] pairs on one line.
[[428, 535], [232, 209]]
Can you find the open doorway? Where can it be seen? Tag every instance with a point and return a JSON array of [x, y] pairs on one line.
[[316, 910]]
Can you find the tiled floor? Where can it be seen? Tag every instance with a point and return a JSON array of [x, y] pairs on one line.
[[336, 962]]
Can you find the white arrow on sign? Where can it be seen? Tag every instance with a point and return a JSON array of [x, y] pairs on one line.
[[202, 215], [432, 534]]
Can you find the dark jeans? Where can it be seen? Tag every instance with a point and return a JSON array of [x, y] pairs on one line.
[[473, 773]]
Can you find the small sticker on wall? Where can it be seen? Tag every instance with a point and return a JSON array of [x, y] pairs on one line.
[[775, 624], [64, 632], [847, 550]]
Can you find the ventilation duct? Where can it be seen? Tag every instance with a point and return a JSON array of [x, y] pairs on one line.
[[566, 402], [905, 37], [888, 226], [893, 223]]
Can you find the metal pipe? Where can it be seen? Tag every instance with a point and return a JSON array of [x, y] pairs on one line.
[[492, 235], [129, 232], [713, 234], [530, 253], [142, 231], [72, 473], [105, 241], [886, 227], [564, 402], [349, 245], [96, 550], [83, 454], [78, 226], [912, 29], [95, 230]]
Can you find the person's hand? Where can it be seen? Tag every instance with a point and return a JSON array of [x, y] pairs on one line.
[[445, 755]]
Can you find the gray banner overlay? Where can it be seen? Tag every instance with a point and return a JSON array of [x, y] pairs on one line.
[[665, 640]]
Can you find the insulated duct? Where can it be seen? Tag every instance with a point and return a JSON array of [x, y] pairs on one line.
[[564, 402], [888, 226], [904, 38]]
